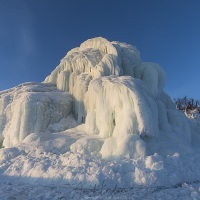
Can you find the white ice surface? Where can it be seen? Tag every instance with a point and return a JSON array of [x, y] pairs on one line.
[[31, 108]]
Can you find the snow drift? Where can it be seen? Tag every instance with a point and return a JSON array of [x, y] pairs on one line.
[[130, 132]]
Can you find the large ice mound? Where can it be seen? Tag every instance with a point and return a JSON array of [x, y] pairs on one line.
[[119, 97], [130, 132]]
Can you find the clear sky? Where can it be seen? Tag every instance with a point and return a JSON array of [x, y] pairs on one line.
[[36, 34]]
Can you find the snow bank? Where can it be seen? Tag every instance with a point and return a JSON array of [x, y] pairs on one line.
[[72, 157]]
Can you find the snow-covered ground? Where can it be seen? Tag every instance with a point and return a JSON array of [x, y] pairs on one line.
[[21, 191], [99, 127]]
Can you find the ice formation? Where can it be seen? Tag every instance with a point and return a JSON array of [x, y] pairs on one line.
[[31, 108], [130, 131], [117, 95]]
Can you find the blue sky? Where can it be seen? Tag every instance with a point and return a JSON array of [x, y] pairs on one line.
[[36, 34]]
